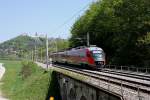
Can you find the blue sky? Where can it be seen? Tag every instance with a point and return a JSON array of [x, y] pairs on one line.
[[41, 16]]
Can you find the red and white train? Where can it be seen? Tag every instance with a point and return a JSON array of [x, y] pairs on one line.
[[93, 57]]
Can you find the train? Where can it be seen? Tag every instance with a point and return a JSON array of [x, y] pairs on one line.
[[88, 57]]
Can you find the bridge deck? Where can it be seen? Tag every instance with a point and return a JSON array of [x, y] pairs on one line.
[[116, 86]]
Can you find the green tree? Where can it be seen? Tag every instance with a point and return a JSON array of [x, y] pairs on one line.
[[116, 26]]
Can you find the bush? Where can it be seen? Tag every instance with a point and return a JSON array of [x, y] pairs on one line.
[[27, 69]]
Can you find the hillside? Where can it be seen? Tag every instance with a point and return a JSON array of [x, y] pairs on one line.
[[22, 45], [17, 46]]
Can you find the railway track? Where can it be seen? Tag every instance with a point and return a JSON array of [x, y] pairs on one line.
[[129, 74], [129, 81]]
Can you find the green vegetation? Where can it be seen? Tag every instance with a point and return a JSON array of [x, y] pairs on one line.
[[19, 46], [120, 27], [23, 46], [27, 81]]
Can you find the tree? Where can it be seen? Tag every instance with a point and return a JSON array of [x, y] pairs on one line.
[[116, 26]]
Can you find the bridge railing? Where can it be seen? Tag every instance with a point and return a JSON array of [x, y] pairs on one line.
[[126, 94], [130, 69]]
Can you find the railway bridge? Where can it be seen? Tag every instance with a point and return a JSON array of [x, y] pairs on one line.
[[108, 84]]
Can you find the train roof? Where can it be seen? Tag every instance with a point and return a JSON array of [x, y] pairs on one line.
[[94, 48], [91, 47]]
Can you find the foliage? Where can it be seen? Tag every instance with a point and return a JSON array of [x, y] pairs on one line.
[[57, 44], [18, 46], [28, 68], [23, 46], [117, 26], [34, 87]]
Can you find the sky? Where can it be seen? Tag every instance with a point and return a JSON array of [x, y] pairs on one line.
[[41, 16]]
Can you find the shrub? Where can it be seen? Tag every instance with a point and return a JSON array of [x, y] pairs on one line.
[[27, 69]]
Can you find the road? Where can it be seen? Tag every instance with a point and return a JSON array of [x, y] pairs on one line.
[[2, 71]]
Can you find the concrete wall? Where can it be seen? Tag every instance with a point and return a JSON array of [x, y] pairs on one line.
[[72, 89]]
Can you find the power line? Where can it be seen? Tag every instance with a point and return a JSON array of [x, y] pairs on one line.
[[62, 25]]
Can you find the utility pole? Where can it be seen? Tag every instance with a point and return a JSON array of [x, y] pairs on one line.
[[56, 48], [47, 52], [35, 52], [32, 55], [88, 39], [56, 45], [41, 54]]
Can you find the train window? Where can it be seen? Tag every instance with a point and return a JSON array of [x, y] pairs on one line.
[[82, 53], [96, 51], [97, 55]]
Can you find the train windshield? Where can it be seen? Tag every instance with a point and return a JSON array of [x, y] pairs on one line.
[[97, 55]]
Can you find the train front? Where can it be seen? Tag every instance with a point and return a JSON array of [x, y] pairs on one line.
[[98, 56]]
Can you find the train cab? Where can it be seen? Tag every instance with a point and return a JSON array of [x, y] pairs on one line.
[[97, 55]]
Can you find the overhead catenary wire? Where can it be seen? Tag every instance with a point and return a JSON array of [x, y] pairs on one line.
[[68, 20]]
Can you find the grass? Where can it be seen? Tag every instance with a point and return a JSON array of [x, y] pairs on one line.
[[37, 86]]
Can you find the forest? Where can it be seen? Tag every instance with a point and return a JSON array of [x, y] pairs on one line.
[[120, 27]]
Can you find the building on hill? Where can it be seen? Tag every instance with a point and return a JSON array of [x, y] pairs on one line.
[[24, 34]]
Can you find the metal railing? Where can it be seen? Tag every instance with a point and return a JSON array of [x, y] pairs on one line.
[[130, 69], [124, 93]]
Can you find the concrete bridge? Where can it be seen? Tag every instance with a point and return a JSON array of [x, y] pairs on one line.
[[72, 89], [75, 85]]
